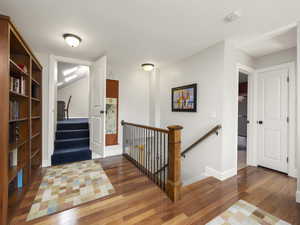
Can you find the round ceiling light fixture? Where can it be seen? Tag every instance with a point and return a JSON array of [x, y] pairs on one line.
[[72, 40], [148, 66]]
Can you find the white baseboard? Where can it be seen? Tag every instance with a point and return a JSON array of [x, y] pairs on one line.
[[113, 150], [194, 179], [298, 196], [96, 156], [293, 172], [220, 175], [46, 163]]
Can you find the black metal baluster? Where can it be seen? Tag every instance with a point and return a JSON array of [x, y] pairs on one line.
[[156, 156], [145, 151], [165, 161], [139, 147], [160, 155], [152, 151]]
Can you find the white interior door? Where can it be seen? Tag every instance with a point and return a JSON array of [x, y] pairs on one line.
[[97, 110], [272, 119]]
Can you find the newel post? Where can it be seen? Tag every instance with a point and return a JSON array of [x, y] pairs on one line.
[[174, 165]]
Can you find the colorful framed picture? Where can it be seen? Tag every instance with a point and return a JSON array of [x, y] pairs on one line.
[[184, 99]]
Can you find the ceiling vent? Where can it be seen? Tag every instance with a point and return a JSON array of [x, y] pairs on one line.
[[233, 16]]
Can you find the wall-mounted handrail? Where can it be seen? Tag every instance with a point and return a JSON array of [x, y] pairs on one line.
[[209, 133], [183, 154]]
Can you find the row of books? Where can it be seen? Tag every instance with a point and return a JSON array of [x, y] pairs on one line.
[[16, 183], [14, 133], [18, 85], [14, 110]]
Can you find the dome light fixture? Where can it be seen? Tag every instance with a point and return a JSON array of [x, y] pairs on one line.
[[148, 67], [72, 40]]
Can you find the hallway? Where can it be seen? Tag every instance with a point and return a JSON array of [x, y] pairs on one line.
[[138, 201]]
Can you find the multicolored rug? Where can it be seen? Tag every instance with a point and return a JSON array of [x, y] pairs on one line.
[[243, 213], [69, 185]]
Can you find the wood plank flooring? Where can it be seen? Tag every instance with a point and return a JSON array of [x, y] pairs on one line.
[[138, 201]]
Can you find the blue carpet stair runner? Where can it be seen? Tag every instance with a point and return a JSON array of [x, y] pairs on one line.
[[72, 142]]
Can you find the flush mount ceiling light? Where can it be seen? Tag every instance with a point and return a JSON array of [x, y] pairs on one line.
[[148, 66], [72, 40]]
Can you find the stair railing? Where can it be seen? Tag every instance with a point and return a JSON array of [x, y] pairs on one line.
[[150, 149], [214, 130]]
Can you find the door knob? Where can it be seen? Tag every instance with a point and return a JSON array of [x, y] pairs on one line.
[[102, 111], [260, 122]]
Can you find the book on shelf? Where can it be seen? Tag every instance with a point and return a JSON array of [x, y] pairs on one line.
[[14, 110], [20, 178], [34, 91], [23, 67], [12, 186], [18, 85], [13, 158], [14, 133]]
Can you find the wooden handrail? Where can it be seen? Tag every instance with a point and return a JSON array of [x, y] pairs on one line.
[[144, 126], [214, 130]]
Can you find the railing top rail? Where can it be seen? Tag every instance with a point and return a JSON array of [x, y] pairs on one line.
[[145, 127], [213, 130]]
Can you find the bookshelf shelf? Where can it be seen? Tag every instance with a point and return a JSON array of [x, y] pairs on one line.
[[21, 108], [18, 120], [35, 135], [12, 173], [35, 82], [14, 68], [18, 94], [35, 152], [17, 145], [35, 99]]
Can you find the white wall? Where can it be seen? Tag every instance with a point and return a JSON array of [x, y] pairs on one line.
[[133, 97], [79, 90], [205, 69], [44, 60]]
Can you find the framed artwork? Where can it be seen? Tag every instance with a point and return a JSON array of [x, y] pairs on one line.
[[184, 99]]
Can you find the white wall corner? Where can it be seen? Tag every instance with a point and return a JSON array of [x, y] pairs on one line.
[[210, 172], [298, 196], [46, 163]]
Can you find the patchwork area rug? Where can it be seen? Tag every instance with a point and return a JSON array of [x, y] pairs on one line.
[[66, 186], [242, 213]]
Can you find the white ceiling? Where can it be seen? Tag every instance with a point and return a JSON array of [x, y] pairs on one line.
[[131, 32], [271, 44]]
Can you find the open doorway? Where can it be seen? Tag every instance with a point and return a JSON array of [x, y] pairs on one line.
[[242, 120], [72, 135]]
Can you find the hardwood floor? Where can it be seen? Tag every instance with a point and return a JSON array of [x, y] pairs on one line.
[[138, 201]]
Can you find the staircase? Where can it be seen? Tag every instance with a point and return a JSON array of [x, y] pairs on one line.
[[71, 142]]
